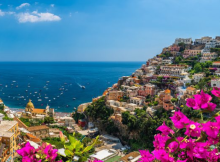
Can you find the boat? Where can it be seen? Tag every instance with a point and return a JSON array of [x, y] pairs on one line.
[[39, 99], [74, 98], [48, 81], [46, 97], [83, 87], [13, 81], [6, 86], [49, 100], [16, 86]]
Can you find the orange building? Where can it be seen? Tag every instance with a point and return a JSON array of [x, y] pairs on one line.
[[167, 104], [9, 140]]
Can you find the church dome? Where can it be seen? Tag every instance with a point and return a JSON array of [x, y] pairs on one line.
[[30, 104], [167, 91]]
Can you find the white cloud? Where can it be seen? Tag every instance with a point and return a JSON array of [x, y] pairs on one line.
[[2, 13], [37, 17], [22, 5], [52, 5]]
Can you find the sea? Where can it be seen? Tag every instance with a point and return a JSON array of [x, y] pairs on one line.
[[61, 85]]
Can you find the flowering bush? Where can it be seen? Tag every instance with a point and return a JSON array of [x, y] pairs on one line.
[[200, 137], [43, 153]]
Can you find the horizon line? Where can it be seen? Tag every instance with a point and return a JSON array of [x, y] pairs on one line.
[[72, 61]]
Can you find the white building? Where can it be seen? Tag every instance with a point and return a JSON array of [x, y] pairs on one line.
[[137, 100], [167, 61], [186, 79], [215, 83], [198, 77], [203, 40], [183, 40], [138, 73]]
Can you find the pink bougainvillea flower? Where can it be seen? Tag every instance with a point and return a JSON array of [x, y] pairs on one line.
[[182, 160], [217, 118], [213, 155], [146, 156], [190, 102], [179, 120], [211, 106], [27, 151], [193, 129], [188, 145], [165, 129], [216, 92], [211, 129], [162, 155], [213, 141], [50, 153], [200, 150], [202, 100], [173, 146], [160, 141], [182, 155]]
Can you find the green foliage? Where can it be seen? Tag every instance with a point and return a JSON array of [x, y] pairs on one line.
[[98, 110], [217, 50], [76, 148], [48, 120], [6, 116], [110, 127], [2, 107], [76, 116], [174, 100], [198, 68], [190, 113], [54, 141], [32, 122], [124, 99]]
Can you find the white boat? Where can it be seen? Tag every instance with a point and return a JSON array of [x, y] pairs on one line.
[[39, 99]]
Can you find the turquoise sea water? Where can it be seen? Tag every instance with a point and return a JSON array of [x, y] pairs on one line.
[[58, 84]]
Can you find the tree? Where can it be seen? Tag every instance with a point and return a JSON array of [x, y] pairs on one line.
[[98, 110], [198, 68], [48, 120]]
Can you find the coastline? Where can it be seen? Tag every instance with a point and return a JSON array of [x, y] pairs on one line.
[[107, 76]]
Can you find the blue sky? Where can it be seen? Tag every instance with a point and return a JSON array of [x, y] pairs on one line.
[[100, 30]]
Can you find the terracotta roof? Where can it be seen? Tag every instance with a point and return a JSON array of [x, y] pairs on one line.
[[35, 128], [20, 123], [190, 88], [33, 138], [38, 111], [167, 91], [133, 154], [216, 62]]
